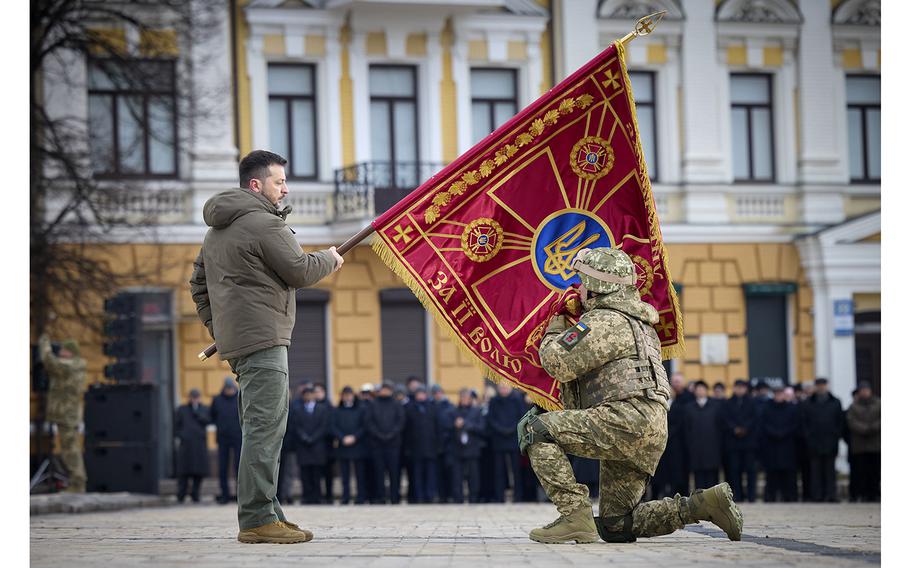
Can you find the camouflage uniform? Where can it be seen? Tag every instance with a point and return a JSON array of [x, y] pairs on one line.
[[64, 406], [615, 391]]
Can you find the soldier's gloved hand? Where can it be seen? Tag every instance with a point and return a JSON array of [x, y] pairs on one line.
[[523, 427], [570, 302]]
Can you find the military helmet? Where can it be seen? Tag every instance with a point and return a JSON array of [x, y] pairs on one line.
[[604, 270]]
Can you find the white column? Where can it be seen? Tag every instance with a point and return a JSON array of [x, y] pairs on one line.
[[431, 141], [819, 155], [533, 71], [461, 74], [214, 156], [578, 35], [332, 157], [257, 72], [703, 83], [360, 75]]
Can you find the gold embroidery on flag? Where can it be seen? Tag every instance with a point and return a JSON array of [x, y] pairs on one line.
[[481, 239]]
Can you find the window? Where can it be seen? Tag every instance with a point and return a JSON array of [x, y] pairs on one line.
[[292, 117], [864, 121], [752, 127], [643, 89], [307, 353], [494, 99], [404, 339], [132, 119], [393, 121]]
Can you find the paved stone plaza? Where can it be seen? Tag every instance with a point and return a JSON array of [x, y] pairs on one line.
[[455, 535]]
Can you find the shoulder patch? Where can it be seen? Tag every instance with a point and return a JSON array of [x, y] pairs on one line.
[[572, 336]]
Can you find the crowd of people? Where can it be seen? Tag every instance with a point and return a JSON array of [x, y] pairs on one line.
[[376, 439], [792, 433]]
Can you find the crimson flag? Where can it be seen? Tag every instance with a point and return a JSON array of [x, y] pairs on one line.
[[487, 243]]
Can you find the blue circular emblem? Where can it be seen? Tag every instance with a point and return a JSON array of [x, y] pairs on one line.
[[559, 238], [591, 157]]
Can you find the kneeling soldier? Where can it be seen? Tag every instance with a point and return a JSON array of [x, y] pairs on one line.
[[615, 392]]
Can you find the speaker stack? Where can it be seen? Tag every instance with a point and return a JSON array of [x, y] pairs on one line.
[[121, 438]]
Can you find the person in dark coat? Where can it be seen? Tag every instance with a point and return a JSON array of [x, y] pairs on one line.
[[864, 419], [225, 414], [328, 470], [506, 409], [445, 430], [702, 423], [311, 422], [802, 393], [779, 432], [365, 399], [739, 418], [384, 420], [348, 433], [719, 391], [421, 444], [192, 454], [672, 475], [469, 427], [822, 423]]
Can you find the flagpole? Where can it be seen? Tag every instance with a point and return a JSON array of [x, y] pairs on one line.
[[643, 27]]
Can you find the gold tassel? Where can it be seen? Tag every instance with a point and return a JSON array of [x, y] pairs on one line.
[[388, 257]]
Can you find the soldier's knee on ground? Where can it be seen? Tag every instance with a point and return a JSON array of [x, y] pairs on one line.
[[616, 528]]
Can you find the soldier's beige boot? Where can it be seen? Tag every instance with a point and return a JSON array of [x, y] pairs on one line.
[[716, 505], [274, 533], [578, 526]]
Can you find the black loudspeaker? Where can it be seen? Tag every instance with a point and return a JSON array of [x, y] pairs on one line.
[[122, 467], [126, 412]]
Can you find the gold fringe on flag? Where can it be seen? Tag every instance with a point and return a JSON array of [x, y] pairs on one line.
[[679, 348]]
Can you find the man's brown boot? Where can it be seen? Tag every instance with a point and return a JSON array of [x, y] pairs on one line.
[[275, 533], [578, 526], [298, 529]]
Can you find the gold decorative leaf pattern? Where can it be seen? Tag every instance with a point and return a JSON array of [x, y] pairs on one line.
[[458, 188], [502, 155], [470, 178], [486, 168]]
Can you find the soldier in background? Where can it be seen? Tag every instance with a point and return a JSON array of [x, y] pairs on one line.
[[192, 453], [66, 372], [615, 391]]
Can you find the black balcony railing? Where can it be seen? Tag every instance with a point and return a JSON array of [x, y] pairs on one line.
[[371, 188]]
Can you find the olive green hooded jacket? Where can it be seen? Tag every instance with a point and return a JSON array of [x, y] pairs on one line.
[[246, 274]]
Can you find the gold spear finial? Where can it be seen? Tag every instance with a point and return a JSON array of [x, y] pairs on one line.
[[644, 26]]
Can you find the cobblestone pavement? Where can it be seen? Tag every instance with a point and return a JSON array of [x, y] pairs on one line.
[[448, 535]]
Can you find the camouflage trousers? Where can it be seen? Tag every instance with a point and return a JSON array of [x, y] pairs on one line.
[[71, 456], [628, 437]]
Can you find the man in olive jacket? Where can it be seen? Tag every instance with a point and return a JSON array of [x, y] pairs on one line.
[[243, 284], [864, 418]]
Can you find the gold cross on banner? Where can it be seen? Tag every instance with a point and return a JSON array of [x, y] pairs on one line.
[[611, 81], [402, 233], [665, 326]]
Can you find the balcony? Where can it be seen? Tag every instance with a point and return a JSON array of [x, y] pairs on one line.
[[368, 189]]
